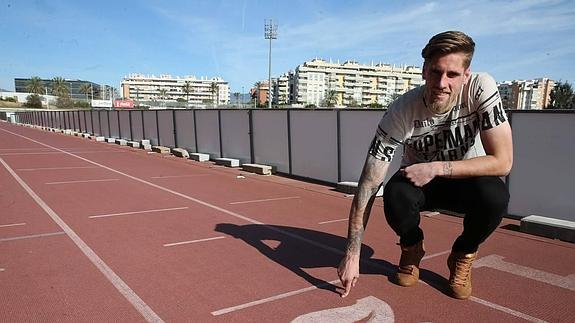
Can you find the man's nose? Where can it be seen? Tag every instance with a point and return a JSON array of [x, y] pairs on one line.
[[443, 81]]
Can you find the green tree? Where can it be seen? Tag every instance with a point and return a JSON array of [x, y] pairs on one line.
[[214, 89], [86, 89], [33, 101], [562, 96], [330, 98], [187, 88], [59, 87], [35, 85], [237, 96]]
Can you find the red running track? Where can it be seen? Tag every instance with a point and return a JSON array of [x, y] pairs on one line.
[[95, 232]]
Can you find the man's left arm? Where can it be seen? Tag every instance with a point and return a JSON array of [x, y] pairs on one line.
[[498, 145]]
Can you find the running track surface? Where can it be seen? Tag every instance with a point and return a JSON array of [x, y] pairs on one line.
[[100, 233]]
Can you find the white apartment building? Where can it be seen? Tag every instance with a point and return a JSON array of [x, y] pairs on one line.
[[281, 89], [526, 94], [353, 84], [139, 87]]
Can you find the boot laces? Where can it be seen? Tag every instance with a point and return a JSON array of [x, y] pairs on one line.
[[462, 270]]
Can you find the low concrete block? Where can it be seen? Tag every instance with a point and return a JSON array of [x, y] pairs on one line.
[[199, 157], [86, 135], [122, 142], [111, 140], [548, 227], [68, 132], [146, 146], [100, 139], [228, 162], [134, 144], [145, 142], [161, 149], [351, 188], [258, 169], [180, 152]]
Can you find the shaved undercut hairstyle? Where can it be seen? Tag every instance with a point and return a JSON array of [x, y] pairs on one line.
[[450, 42]]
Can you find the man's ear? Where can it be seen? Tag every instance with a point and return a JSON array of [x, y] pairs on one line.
[[467, 75]]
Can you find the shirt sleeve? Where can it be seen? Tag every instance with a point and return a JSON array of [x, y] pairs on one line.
[[488, 102], [389, 134]]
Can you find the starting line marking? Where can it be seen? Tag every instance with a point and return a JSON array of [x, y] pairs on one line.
[[192, 241], [86, 181], [497, 262], [267, 200], [136, 212], [333, 221], [178, 176], [270, 299], [11, 225], [41, 235], [54, 168]]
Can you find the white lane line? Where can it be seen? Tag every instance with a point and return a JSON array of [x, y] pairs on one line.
[[41, 235], [231, 213], [333, 221], [11, 225], [62, 152], [267, 200], [10, 149], [118, 283], [136, 212], [506, 310], [85, 181], [270, 299], [178, 176], [436, 254], [53, 168], [192, 241]]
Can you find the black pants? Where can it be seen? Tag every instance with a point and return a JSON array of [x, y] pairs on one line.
[[483, 200]]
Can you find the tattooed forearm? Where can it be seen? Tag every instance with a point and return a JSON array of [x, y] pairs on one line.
[[447, 169], [354, 241]]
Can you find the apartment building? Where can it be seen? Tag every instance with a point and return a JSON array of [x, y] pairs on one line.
[[98, 91], [526, 94], [139, 87], [351, 83]]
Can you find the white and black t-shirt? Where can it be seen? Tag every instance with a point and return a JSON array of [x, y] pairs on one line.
[[427, 136]]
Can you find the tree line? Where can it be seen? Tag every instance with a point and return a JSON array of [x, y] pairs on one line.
[[59, 89]]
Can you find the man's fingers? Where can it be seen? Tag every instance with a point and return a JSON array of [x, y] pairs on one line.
[[347, 287]]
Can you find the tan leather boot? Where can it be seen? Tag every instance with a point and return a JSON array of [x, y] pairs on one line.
[[408, 269], [460, 274]]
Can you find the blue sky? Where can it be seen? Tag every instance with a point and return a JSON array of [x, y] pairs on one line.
[[102, 41]]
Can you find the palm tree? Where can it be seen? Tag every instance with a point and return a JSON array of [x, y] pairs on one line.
[[35, 85], [214, 89], [59, 87], [86, 88], [330, 98], [237, 96], [187, 88]]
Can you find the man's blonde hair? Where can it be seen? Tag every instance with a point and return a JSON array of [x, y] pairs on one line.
[[447, 43]]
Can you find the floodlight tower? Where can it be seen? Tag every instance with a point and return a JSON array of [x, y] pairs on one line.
[[271, 32]]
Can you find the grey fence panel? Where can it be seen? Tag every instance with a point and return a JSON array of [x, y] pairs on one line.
[[208, 134], [356, 132], [96, 123], [137, 125], [124, 125], [58, 118], [166, 127], [83, 127], [150, 127], [104, 122], [270, 138], [114, 124], [76, 115], [89, 122], [314, 144], [235, 132], [185, 130], [541, 181]]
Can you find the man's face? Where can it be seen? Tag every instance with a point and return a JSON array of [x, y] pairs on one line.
[[444, 76]]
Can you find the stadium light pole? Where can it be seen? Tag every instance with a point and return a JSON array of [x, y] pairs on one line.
[[271, 32]]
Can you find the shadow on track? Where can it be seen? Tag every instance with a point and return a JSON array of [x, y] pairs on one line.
[[298, 248]]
